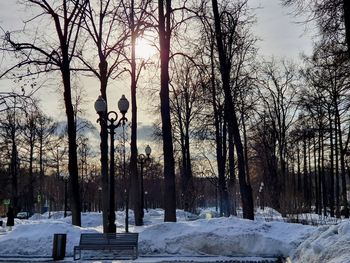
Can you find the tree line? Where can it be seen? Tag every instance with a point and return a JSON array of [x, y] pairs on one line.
[[240, 121]]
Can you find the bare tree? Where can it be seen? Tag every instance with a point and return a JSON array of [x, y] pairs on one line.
[[187, 107], [138, 24], [47, 56], [225, 69], [331, 16], [165, 32], [278, 90]]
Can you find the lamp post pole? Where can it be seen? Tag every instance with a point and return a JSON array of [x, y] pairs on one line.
[[111, 121], [111, 216], [142, 161], [141, 158], [99, 198], [146, 201], [126, 190], [65, 196]]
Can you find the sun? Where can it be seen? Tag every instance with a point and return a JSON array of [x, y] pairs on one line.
[[144, 49]]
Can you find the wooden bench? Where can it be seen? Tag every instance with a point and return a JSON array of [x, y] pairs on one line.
[[121, 242]]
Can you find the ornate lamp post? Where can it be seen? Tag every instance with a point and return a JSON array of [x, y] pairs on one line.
[[143, 159], [111, 121]]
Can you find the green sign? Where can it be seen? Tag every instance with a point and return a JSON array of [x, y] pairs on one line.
[[6, 201], [39, 198]]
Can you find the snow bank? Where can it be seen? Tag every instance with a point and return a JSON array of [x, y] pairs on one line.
[[222, 236], [329, 244], [213, 237], [37, 238]]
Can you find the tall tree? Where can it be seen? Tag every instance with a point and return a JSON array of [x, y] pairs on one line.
[[186, 107], [329, 73], [57, 54], [137, 25], [44, 130], [164, 30], [225, 70], [278, 90], [30, 139]]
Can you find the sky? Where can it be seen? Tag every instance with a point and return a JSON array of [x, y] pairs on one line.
[[279, 34]]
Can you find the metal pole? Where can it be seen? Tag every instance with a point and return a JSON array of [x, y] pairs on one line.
[[104, 171], [126, 186], [146, 207], [100, 199], [142, 193], [65, 197], [216, 198], [111, 221]]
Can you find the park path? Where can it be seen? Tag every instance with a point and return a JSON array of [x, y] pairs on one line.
[[202, 259]]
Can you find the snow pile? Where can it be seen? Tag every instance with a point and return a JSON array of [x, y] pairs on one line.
[[222, 236], [212, 236], [268, 214], [88, 220], [37, 238], [329, 244]]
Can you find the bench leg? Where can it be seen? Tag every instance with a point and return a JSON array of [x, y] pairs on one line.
[[74, 255], [136, 254]]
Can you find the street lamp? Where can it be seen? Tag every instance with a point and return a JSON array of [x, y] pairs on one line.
[[110, 119], [143, 159]]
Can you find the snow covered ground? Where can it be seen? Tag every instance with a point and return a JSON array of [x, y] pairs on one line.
[[207, 236]]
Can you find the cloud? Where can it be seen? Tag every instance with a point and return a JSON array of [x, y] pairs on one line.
[[145, 131], [280, 34]]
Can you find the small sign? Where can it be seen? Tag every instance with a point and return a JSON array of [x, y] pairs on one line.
[[6, 201], [39, 198]]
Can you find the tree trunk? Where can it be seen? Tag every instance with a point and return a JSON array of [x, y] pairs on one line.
[[135, 182], [342, 169], [300, 188], [336, 148], [305, 173], [219, 133], [72, 145], [316, 178], [169, 163], [31, 176], [346, 8], [232, 178], [223, 195], [189, 187], [14, 173], [331, 174], [323, 175]]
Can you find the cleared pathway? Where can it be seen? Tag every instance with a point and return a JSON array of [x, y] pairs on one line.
[[202, 259]]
